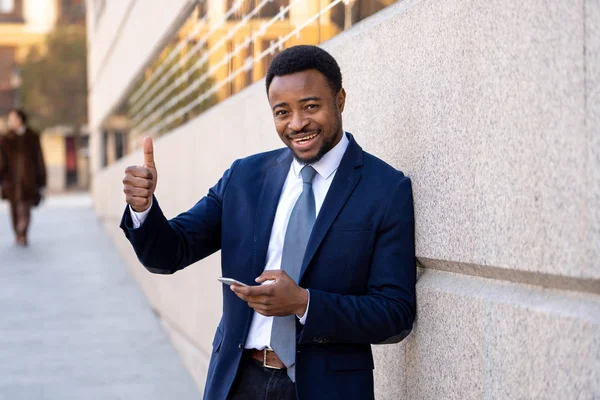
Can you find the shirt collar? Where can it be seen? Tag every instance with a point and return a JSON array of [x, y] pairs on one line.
[[329, 163], [21, 130]]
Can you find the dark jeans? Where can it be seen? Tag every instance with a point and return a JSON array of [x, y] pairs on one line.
[[255, 382]]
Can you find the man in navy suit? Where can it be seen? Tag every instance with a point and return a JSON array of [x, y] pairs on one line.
[[326, 231]]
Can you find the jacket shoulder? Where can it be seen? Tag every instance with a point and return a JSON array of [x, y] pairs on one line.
[[380, 169], [260, 161]]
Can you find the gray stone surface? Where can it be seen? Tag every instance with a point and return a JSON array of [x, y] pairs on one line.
[[73, 323], [391, 371], [483, 339], [482, 104], [592, 121]]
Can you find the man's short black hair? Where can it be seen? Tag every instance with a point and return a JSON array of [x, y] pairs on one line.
[[302, 58], [21, 114]]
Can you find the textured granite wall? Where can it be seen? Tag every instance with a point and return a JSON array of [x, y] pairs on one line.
[[493, 109]]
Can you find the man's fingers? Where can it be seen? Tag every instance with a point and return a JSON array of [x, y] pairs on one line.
[[242, 296], [264, 298], [134, 181], [264, 277], [137, 191], [139, 172], [138, 204], [252, 291], [256, 301], [268, 310], [140, 181], [260, 302], [149, 153], [262, 310], [270, 276], [254, 294]]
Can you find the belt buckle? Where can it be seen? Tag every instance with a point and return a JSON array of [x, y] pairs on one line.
[[265, 350]]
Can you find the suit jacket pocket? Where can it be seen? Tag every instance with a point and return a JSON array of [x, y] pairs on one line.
[[217, 340], [351, 361], [350, 226]]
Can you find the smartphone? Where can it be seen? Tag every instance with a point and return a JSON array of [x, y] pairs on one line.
[[229, 281]]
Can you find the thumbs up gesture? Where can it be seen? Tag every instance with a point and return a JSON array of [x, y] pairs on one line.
[[140, 181]]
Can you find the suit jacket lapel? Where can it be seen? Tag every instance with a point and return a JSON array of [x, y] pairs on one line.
[[265, 212], [344, 182]]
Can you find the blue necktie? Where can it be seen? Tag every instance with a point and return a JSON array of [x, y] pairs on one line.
[[302, 219]]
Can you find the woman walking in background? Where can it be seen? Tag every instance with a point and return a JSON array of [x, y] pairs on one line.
[[23, 173]]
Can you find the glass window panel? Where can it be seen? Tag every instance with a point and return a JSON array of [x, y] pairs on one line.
[[7, 6]]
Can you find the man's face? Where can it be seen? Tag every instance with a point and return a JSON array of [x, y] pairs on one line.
[[14, 122], [308, 116]]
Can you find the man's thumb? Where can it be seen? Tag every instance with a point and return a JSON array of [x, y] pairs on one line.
[[149, 153]]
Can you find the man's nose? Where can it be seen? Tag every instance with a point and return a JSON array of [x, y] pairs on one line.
[[298, 123]]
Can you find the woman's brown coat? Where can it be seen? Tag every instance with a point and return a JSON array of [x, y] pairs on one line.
[[22, 167]]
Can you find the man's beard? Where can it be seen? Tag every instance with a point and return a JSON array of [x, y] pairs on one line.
[[324, 149]]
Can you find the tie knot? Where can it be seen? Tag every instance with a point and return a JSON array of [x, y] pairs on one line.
[[308, 173]]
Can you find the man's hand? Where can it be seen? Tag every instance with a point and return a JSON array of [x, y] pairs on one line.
[[140, 182], [280, 298]]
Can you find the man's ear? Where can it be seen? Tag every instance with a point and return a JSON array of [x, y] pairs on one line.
[[341, 99]]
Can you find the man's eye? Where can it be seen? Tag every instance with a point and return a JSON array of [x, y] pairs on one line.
[[312, 106], [280, 113]]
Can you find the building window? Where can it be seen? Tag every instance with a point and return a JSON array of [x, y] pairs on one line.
[[119, 144], [273, 8], [7, 6], [104, 148], [71, 12], [11, 11]]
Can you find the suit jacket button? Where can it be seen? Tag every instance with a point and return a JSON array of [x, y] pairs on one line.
[[240, 347]]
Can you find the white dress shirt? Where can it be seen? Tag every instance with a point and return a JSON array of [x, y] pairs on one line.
[[259, 336]]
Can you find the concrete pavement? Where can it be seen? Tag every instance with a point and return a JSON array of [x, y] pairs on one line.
[[73, 323]]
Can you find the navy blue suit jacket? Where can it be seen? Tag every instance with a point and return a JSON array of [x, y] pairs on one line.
[[359, 265]]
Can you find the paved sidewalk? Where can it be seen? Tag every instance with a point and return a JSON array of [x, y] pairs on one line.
[[73, 323]]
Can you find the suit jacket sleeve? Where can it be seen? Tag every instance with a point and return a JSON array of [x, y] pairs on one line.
[[388, 308], [166, 246]]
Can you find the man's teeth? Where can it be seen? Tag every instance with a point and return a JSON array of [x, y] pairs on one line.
[[305, 139]]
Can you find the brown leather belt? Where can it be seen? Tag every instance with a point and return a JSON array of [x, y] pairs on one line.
[[267, 357]]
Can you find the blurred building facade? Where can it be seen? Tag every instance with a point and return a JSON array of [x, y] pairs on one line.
[[217, 48], [25, 24], [490, 107]]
